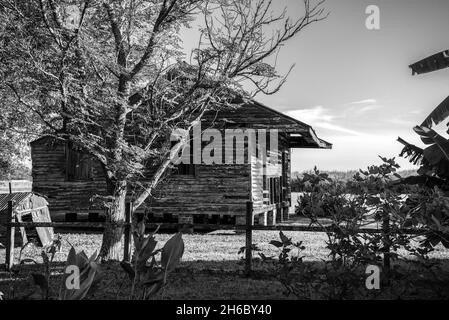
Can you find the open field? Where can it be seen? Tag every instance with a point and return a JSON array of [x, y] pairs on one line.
[[211, 267]]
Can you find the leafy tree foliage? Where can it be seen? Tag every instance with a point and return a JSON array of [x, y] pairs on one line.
[[109, 77]]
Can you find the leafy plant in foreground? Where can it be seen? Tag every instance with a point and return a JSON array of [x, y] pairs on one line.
[[41, 280], [147, 275], [374, 197], [85, 272], [293, 273], [89, 276]]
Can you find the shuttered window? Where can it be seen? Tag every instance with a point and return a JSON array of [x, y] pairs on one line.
[[79, 166], [274, 190], [184, 169]]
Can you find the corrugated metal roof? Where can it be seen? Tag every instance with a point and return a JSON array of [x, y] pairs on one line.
[[16, 197]]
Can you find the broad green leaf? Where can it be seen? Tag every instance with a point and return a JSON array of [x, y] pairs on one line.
[[71, 258], [172, 252], [442, 144], [71, 261], [148, 246], [438, 115], [412, 152], [425, 134], [276, 243], [41, 281], [89, 274], [28, 260], [433, 154], [128, 269], [432, 63], [85, 284], [286, 241]]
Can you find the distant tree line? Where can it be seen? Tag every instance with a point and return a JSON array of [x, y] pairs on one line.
[[342, 176]]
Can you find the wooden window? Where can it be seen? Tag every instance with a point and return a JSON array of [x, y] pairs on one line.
[[265, 190], [183, 169], [264, 182], [79, 166], [274, 185], [277, 184], [272, 191]]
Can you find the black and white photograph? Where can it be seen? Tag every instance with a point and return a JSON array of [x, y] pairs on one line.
[[224, 155]]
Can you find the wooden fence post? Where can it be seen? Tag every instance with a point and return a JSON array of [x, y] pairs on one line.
[[128, 210], [10, 234], [386, 240], [249, 237]]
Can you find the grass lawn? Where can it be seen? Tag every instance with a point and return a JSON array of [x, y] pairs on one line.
[[211, 267]]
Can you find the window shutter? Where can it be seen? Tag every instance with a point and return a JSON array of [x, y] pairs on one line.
[[79, 166]]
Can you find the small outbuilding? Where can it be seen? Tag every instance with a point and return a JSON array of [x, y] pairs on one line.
[[27, 207]]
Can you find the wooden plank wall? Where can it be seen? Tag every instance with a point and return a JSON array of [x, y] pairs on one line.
[[214, 190], [273, 168], [255, 116], [49, 179]]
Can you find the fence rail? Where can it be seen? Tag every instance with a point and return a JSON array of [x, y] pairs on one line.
[[249, 227], [12, 186]]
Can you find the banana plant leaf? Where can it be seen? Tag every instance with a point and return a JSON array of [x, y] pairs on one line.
[[420, 180], [434, 159], [433, 63], [438, 115], [425, 134], [414, 154]]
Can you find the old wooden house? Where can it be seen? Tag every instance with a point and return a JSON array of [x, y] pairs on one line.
[[192, 192]]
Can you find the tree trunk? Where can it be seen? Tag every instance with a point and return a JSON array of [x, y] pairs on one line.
[[111, 247], [155, 179]]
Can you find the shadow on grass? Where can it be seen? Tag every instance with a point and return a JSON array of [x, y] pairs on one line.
[[218, 280]]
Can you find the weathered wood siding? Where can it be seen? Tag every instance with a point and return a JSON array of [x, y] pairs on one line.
[[256, 116], [272, 168], [49, 179], [214, 190]]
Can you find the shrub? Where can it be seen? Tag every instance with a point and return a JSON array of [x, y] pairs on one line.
[[321, 197], [375, 195], [148, 276]]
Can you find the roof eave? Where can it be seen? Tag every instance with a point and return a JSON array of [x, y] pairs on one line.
[[304, 129]]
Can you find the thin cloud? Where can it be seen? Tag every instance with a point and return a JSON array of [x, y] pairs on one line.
[[320, 117], [366, 101], [312, 114], [369, 108], [402, 122], [334, 127]]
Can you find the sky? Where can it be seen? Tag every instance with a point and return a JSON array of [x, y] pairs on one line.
[[353, 85]]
